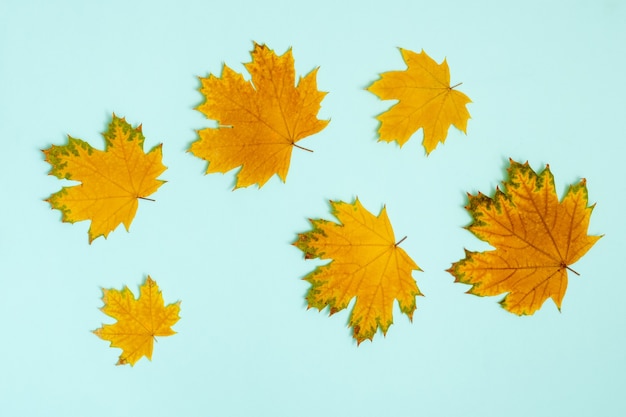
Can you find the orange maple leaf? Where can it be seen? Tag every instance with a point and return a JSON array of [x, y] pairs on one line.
[[536, 239], [367, 263], [426, 101], [111, 180], [260, 120], [139, 321]]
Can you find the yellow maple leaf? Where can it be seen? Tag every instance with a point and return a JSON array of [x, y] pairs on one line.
[[367, 263], [536, 239], [139, 321], [260, 120], [112, 180], [426, 101]]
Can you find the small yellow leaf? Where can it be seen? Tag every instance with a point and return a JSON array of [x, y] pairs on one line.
[[426, 101], [260, 120], [139, 321], [536, 240], [112, 180], [367, 263]]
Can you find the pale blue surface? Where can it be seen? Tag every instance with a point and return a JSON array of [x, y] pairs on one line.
[[547, 83]]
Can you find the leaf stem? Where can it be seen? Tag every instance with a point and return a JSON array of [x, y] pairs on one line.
[[455, 85], [304, 149], [400, 241], [572, 270], [146, 198]]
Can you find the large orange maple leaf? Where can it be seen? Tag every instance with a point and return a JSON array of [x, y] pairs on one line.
[[139, 321], [112, 180], [367, 263], [426, 101], [536, 240], [260, 120]]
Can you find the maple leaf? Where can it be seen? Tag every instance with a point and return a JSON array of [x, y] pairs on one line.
[[536, 239], [139, 321], [367, 263], [260, 120], [426, 101], [112, 180]]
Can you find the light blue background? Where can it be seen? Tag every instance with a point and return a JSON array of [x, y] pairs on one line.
[[547, 80]]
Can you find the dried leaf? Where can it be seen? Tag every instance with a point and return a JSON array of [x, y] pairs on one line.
[[367, 263], [260, 120], [536, 240], [111, 180], [139, 321], [426, 101]]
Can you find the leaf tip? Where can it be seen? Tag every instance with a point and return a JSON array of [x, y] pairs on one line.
[[122, 361]]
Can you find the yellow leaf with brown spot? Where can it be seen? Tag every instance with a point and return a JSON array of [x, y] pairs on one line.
[[259, 120], [425, 100], [112, 180], [139, 321], [367, 263], [536, 240]]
